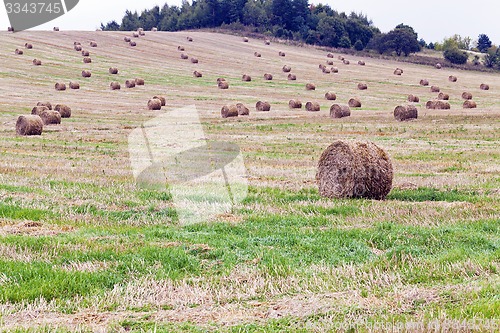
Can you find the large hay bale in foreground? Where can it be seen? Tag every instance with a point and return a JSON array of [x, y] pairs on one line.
[[229, 111], [115, 85], [443, 96], [37, 110], [262, 106], [331, 96], [139, 81], [242, 109], [424, 82], [48, 105], [435, 89], [340, 111], [452, 78], [437, 105], [162, 99], [29, 125], [354, 170], [246, 78], [37, 62], [74, 85], [286, 69], [60, 86], [86, 74], [64, 110], [292, 77], [113, 70], [310, 86], [295, 104], [466, 95], [362, 86], [405, 112], [154, 104], [268, 77], [484, 86], [197, 74], [313, 107], [354, 103], [412, 98], [468, 104], [130, 83], [50, 117]]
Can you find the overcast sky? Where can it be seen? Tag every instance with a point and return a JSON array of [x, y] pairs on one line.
[[432, 20]]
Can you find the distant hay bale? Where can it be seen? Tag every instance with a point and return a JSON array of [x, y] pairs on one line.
[[139, 81], [74, 85], [29, 125], [220, 79], [362, 86], [361, 63], [257, 54], [245, 39], [452, 78], [48, 105], [50, 117], [37, 62], [115, 85], [142, 33], [286, 69], [313, 107], [330, 96], [484, 86], [405, 112], [341, 58], [154, 104], [262, 106], [438, 66], [229, 111], [127, 39], [435, 89], [398, 72], [340, 111], [133, 44], [242, 109], [334, 70], [468, 104], [412, 98], [310, 86], [93, 44], [180, 48], [130, 83], [189, 39], [194, 60], [154, 29], [466, 95], [55, 28], [37, 110], [321, 66], [60, 86], [162, 99], [424, 82], [268, 77], [19, 52], [443, 96], [113, 70], [86, 73], [281, 54], [292, 77], [184, 56], [329, 55], [354, 103], [197, 74], [135, 34], [85, 53], [246, 78], [223, 85], [329, 62], [267, 42], [326, 71], [78, 48], [10, 29], [28, 46], [295, 104], [87, 60], [437, 105], [64, 110], [354, 170], [346, 62]]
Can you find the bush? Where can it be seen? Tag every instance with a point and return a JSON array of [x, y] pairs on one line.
[[456, 56], [358, 46]]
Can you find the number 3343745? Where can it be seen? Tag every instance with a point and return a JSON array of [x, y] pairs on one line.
[[33, 8]]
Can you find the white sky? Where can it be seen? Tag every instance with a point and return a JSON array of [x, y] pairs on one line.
[[432, 20]]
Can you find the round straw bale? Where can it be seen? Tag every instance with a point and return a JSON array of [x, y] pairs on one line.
[[326, 70], [267, 42], [287, 69], [405, 112], [398, 72], [330, 96], [443, 96], [310, 86], [10, 29], [341, 58], [135, 34], [197, 74], [268, 77], [184, 56], [229, 111], [292, 77], [19, 52], [246, 78], [468, 104], [28, 46], [162, 99], [93, 44], [154, 29], [245, 39], [194, 60], [346, 62], [281, 54], [354, 170], [340, 111], [113, 70], [438, 66], [262, 106], [424, 82], [127, 39], [86, 74], [29, 125], [321, 66], [220, 79], [154, 104], [257, 54], [242, 109], [484, 86], [74, 85], [413, 98], [295, 104], [435, 89], [180, 48], [56, 29], [115, 85], [50, 117], [361, 63], [313, 106], [354, 103], [142, 33], [78, 48], [139, 81], [130, 83], [133, 44], [362, 86], [60, 86], [329, 62], [329, 55], [189, 39], [39, 109], [223, 85], [452, 78], [85, 53], [48, 105], [37, 62], [87, 60], [64, 110], [334, 70], [466, 95]]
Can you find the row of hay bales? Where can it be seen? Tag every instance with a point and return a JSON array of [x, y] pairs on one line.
[[41, 115]]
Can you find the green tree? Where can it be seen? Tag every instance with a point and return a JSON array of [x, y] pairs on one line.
[[483, 43], [400, 40], [130, 21], [331, 30]]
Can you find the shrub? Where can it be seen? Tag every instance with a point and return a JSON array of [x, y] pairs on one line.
[[456, 56]]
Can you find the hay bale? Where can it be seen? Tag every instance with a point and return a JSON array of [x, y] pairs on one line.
[[341, 58], [135, 34], [64, 110], [443, 96], [154, 29], [286, 69], [29, 125], [162, 99], [329, 55], [398, 72], [468, 104], [326, 71], [77, 43], [329, 62], [268, 77], [267, 42], [115, 85], [220, 79], [154, 104], [50, 117], [438, 66], [19, 52], [262, 106], [412, 98], [86, 74], [334, 70], [330, 96], [194, 60], [37, 62], [87, 60], [313, 106], [340, 111], [60, 86], [466, 95], [74, 85], [452, 78], [245, 39], [55, 28], [435, 89], [229, 111], [48, 105], [295, 104], [37, 110], [197, 74], [127, 39], [133, 44], [310, 86], [321, 66], [78, 48], [405, 112], [93, 44], [281, 54], [113, 70], [223, 85], [10, 29], [484, 86], [139, 81], [180, 48], [85, 53], [346, 62], [354, 170], [142, 33], [242, 109], [354, 103], [184, 56], [292, 77], [257, 54], [437, 105], [28, 46], [189, 39], [130, 83], [246, 78], [361, 63], [424, 82], [362, 86]]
